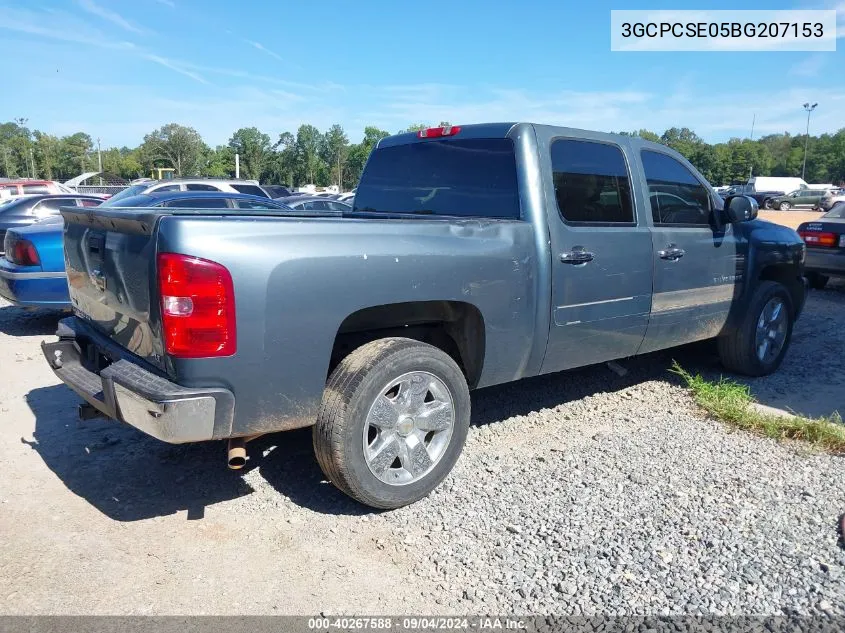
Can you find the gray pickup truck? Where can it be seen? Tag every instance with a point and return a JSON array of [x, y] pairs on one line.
[[473, 256]]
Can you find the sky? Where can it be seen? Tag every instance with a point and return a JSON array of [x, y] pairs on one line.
[[117, 69]]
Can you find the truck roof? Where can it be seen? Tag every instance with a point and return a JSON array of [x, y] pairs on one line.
[[503, 129]]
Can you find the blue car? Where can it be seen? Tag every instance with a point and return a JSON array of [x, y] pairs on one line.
[[32, 272]]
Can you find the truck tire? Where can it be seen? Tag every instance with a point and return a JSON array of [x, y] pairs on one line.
[[817, 281], [392, 423], [757, 346]]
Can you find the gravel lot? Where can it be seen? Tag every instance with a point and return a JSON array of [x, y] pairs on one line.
[[579, 493]]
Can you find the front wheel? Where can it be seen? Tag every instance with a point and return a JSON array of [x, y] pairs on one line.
[[757, 346], [784, 206], [393, 422]]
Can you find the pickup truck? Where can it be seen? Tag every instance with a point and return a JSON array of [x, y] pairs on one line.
[[473, 256]]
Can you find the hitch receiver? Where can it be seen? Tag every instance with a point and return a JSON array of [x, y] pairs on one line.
[[89, 412]]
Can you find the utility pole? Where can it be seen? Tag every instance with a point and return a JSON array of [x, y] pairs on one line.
[[32, 162], [809, 108], [6, 157], [99, 161], [751, 166]]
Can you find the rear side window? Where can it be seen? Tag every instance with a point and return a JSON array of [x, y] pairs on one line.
[[249, 189], [35, 189], [165, 188], [199, 203], [468, 178], [591, 182], [676, 196], [200, 187], [51, 206]]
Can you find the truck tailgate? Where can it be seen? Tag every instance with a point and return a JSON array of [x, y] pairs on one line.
[[110, 262]]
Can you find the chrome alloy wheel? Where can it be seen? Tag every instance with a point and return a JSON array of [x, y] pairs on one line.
[[771, 330], [408, 428]]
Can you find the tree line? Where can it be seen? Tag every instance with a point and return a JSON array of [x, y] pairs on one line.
[[325, 158]]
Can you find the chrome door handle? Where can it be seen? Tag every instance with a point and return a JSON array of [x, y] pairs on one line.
[[576, 257], [672, 253]]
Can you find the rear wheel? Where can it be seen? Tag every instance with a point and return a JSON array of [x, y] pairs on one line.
[[767, 203], [757, 346], [784, 206], [817, 281], [393, 421]]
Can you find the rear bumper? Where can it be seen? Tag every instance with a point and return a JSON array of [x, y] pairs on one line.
[[128, 392], [827, 263]]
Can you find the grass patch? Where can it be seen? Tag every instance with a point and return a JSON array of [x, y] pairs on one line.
[[732, 403]]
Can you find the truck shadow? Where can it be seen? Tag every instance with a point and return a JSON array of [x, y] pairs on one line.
[[125, 474], [129, 476], [16, 321]]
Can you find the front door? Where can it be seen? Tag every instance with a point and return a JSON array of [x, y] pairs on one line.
[[697, 266], [601, 255]]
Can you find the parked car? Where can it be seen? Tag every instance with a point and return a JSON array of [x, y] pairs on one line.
[[825, 240], [250, 187], [830, 198], [317, 203], [14, 188], [799, 199], [32, 268], [346, 197], [474, 256], [197, 200], [32, 271], [277, 191], [763, 198], [25, 210]]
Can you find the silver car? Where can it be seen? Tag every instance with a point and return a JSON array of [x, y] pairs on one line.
[[226, 185]]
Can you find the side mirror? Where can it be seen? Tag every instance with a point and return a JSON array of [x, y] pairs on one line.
[[740, 209]]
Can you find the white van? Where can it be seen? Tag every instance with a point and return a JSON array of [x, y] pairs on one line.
[[776, 183]]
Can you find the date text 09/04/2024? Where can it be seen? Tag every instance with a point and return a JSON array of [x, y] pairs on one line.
[[417, 623]]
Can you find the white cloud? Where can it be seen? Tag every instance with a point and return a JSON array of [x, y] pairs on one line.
[[175, 67], [810, 66], [260, 47], [167, 3], [57, 25], [110, 16]]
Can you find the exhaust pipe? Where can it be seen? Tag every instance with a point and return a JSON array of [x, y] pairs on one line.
[[237, 453]]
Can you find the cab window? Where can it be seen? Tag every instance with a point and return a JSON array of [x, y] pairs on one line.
[[676, 196]]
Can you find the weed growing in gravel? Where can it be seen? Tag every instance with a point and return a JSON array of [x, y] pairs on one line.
[[732, 403]]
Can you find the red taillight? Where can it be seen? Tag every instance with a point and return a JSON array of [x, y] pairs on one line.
[[819, 238], [197, 307], [22, 252], [439, 132]]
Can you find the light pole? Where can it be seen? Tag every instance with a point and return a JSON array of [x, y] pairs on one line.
[[99, 161], [809, 108]]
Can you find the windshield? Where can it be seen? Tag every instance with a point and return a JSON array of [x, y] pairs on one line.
[[471, 178], [838, 211], [129, 191]]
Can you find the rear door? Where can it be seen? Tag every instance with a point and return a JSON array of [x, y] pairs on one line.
[[601, 254], [698, 266]]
